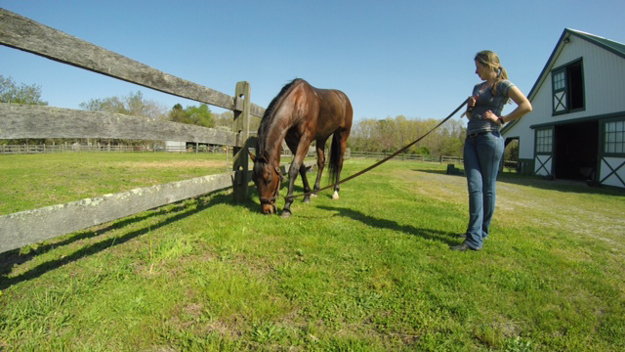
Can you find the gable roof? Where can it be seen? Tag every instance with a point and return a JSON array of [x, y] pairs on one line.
[[607, 44], [610, 45]]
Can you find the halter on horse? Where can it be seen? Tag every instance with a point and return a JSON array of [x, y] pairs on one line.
[[299, 114]]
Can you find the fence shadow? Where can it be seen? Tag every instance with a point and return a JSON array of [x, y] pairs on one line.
[[449, 238], [178, 212]]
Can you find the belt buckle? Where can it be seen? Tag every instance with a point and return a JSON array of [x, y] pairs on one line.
[[475, 134]]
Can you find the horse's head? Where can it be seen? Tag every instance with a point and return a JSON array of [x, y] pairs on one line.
[[267, 177]]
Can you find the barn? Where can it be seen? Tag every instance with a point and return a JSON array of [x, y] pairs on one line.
[[576, 130]]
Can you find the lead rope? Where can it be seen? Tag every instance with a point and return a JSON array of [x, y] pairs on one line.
[[385, 159]]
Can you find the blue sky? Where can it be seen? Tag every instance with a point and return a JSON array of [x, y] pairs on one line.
[[411, 58]]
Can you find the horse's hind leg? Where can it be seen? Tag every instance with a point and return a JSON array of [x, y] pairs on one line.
[[321, 161], [337, 187]]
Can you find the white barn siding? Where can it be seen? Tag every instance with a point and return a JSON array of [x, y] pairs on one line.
[[522, 128], [604, 76]]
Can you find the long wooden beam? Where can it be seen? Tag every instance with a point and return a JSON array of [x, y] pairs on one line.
[[33, 226], [30, 121], [25, 34]]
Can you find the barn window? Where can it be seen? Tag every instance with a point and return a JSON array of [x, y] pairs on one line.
[[568, 88], [544, 141], [614, 137]]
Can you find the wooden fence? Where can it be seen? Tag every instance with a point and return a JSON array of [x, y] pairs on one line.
[[21, 121], [409, 157]]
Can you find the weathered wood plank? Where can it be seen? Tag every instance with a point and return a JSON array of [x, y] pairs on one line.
[[24, 34], [241, 125], [28, 121], [33, 226]]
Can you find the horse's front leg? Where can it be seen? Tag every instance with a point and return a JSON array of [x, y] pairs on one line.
[[293, 170], [298, 162]]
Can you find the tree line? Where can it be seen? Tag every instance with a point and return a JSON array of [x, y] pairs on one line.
[[391, 134]]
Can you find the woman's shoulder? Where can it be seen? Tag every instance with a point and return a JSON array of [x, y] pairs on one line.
[[507, 82], [504, 86]]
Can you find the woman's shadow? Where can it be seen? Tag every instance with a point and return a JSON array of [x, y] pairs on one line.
[[448, 238]]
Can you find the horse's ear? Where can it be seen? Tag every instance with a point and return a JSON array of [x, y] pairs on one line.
[[252, 156]]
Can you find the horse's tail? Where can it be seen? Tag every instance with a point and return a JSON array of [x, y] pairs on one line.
[[335, 158]]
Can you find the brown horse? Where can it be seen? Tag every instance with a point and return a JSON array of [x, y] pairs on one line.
[[300, 114]]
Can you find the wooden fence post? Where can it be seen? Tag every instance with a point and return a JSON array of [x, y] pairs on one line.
[[241, 126]]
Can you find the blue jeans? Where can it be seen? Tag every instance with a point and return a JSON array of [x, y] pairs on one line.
[[482, 155]]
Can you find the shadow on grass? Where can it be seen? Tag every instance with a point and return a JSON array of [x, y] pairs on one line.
[[560, 185], [448, 238], [170, 213]]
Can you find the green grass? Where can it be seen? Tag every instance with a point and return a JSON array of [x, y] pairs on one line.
[[370, 272], [33, 181]]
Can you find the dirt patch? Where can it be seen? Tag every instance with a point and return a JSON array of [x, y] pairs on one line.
[[523, 205], [175, 164]]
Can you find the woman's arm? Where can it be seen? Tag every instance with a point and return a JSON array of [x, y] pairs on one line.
[[523, 107]]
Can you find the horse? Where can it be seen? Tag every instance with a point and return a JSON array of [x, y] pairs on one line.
[[299, 114]]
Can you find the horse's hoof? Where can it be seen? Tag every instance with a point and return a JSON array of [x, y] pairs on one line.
[[335, 196], [306, 200], [314, 195], [285, 214]]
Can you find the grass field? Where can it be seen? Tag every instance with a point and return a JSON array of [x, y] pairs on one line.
[[34, 181], [370, 272]]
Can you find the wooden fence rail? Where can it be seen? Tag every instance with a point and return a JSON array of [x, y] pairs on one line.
[[32, 226], [24, 34], [31, 121], [19, 122]]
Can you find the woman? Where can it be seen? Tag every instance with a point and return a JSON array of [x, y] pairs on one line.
[[484, 146]]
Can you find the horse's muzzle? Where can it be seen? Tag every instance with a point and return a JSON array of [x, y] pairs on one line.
[[268, 205], [268, 208]]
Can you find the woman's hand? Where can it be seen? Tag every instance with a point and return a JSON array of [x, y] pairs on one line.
[[471, 102], [489, 115]]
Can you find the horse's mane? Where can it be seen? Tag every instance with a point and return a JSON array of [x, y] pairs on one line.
[[268, 117]]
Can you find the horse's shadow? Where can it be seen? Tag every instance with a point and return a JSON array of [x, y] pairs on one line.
[[448, 238], [169, 215]]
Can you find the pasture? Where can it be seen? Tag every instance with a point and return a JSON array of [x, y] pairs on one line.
[[370, 272]]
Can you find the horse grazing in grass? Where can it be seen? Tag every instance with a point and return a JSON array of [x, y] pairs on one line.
[[300, 114]]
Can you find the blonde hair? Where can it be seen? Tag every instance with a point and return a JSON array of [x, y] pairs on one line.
[[490, 59]]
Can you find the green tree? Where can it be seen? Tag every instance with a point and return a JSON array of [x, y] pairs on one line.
[[193, 115], [133, 104], [200, 115], [391, 134], [12, 93], [225, 120], [177, 114], [512, 151]]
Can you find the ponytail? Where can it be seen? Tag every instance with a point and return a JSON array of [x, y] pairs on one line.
[[490, 59], [501, 75]]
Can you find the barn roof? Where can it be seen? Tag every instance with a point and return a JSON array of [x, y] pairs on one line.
[[607, 44], [610, 45]]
